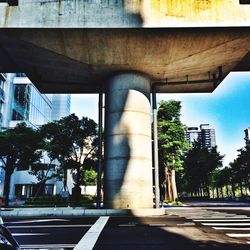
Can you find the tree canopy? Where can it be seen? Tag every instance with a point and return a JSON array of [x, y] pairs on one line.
[[71, 141], [19, 147], [172, 144]]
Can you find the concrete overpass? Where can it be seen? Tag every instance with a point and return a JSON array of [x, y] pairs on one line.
[[129, 49]]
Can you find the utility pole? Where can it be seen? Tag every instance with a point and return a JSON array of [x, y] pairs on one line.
[[99, 172], [156, 158]]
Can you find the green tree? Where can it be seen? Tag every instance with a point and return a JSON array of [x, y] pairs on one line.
[[72, 141], [19, 147], [172, 143], [200, 163], [44, 172], [243, 160]]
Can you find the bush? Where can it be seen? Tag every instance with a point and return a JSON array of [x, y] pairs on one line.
[[57, 200]]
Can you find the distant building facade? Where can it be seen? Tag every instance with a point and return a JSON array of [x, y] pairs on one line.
[[60, 104], [202, 134], [247, 135], [21, 101]]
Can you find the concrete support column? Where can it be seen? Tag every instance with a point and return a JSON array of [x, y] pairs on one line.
[[128, 149]]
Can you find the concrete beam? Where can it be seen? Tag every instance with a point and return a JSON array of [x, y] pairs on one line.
[[124, 13], [77, 60]]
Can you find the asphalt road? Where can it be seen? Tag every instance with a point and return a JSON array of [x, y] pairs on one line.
[[186, 228]]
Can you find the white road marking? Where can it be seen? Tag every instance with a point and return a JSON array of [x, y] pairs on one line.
[[238, 235], [49, 226], [216, 217], [186, 224], [232, 228], [48, 246], [126, 225], [157, 225], [35, 221], [89, 239], [226, 224], [222, 220], [29, 234]]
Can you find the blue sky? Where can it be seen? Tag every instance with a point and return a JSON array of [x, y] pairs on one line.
[[227, 110]]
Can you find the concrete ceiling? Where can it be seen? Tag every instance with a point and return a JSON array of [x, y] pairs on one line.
[[79, 60]]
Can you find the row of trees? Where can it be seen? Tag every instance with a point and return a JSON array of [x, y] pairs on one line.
[[198, 170], [71, 142]]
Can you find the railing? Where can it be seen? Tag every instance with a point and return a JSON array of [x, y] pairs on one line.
[[20, 75], [10, 2], [2, 95], [3, 76]]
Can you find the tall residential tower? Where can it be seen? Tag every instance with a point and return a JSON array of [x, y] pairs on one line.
[[203, 134]]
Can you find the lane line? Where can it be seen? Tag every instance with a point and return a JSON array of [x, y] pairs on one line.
[[186, 224], [48, 226], [126, 225], [157, 225], [238, 235], [222, 220], [89, 239], [47, 246], [29, 234], [35, 221], [232, 228], [226, 224]]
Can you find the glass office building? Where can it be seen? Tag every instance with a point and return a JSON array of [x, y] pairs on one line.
[[21, 101], [60, 105], [28, 104]]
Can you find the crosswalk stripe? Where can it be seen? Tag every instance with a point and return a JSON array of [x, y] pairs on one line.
[[232, 228], [89, 239], [238, 235], [219, 216], [225, 224], [221, 220]]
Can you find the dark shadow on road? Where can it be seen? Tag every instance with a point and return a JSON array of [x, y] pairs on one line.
[[134, 234]]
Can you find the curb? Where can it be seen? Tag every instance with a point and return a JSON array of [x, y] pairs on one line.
[[74, 212]]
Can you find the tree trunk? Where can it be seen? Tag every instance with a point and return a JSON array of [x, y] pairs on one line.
[[227, 190], [168, 194], [174, 188], [208, 191], [217, 192], [233, 189], [213, 193], [221, 191], [241, 189], [65, 175], [77, 188], [6, 191]]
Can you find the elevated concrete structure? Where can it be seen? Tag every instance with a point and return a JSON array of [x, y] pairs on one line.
[[130, 47], [78, 60], [128, 175]]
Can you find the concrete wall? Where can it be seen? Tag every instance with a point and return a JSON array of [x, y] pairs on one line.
[[124, 13]]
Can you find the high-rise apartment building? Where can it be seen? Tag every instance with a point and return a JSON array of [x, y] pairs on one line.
[[203, 134], [60, 105], [21, 101], [247, 135]]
